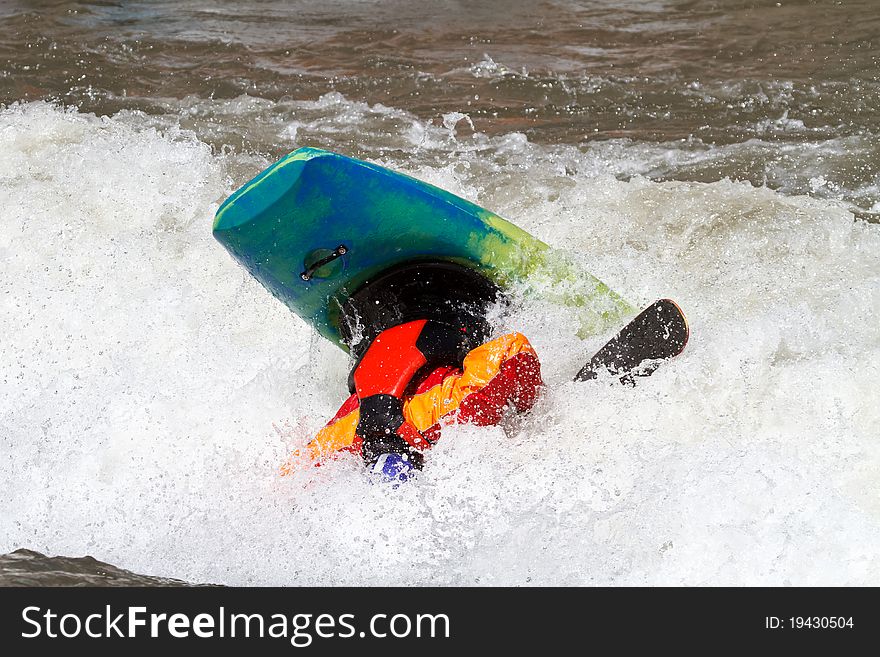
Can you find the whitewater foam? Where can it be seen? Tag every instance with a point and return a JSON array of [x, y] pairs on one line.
[[151, 389]]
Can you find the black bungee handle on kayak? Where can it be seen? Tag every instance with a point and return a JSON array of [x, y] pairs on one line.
[[339, 251]]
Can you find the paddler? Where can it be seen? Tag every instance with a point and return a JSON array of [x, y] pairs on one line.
[[424, 363]]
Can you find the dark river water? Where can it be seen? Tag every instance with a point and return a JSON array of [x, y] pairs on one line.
[[750, 89]]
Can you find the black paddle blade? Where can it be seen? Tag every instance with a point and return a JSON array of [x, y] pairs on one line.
[[659, 332]]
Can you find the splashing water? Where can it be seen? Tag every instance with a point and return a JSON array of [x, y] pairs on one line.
[[151, 389]]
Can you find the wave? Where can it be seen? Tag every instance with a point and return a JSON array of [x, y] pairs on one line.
[[151, 389]]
